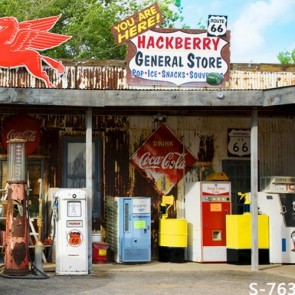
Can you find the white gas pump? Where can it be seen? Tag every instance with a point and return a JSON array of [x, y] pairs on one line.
[[277, 200], [71, 243]]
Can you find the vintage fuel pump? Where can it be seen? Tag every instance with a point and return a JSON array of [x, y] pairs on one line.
[[16, 246], [277, 200], [71, 251]]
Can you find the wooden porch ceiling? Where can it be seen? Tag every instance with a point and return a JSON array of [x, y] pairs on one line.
[[278, 101]]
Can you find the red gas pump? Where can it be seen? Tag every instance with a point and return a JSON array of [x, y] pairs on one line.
[[16, 244]]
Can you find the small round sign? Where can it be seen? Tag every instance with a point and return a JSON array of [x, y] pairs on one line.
[[22, 127], [75, 238]]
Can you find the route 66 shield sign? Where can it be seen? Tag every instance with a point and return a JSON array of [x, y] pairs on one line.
[[238, 143], [217, 25]]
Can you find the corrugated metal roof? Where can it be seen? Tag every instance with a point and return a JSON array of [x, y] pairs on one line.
[[111, 75]]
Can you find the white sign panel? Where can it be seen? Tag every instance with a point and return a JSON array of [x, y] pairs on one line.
[[176, 58], [217, 25], [141, 205], [216, 189], [239, 142]]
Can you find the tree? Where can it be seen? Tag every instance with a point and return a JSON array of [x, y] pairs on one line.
[[88, 22], [286, 57]]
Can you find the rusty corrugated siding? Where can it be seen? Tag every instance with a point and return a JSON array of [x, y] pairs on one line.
[[74, 77], [276, 141], [111, 75], [253, 80], [276, 146], [276, 150]]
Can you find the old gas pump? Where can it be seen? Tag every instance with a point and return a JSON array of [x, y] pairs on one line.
[[16, 246], [70, 211], [277, 200]]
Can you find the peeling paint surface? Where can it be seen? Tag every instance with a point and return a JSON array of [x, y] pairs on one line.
[[111, 75]]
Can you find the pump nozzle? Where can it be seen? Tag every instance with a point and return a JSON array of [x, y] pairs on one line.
[[247, 202], [167, 202], [246, 197]]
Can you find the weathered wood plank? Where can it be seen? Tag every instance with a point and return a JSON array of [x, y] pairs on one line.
[[108, 98], [279, 96]]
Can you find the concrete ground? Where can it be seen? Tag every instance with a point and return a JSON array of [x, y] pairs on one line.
[[158, 278], [155, 266]]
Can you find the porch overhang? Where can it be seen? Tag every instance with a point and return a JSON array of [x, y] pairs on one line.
[[129, 98]]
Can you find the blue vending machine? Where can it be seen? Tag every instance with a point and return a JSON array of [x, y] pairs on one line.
[[134, 229]]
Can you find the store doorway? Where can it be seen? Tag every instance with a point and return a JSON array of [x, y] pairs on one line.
[[74, 168], [239, 175]]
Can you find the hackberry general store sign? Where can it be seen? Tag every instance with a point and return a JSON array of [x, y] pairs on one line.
[[163, 160], [172, 57], [176, 58]]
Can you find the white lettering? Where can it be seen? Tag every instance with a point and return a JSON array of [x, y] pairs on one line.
[[27, 135], [170, 161]]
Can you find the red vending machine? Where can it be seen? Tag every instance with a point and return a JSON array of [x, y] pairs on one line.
[[206, 205]]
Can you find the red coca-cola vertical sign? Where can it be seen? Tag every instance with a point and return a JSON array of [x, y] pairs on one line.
[[22, 127], [163, 160]]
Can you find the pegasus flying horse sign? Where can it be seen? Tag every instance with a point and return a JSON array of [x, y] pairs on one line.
[[21, 41]]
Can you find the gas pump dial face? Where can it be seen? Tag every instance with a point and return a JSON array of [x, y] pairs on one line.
[[74, 209]]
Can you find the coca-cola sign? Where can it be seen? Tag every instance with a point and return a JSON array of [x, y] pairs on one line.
[[22, 127], [163, 159]]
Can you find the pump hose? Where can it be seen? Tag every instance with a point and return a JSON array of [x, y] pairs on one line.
[[34, 269], [33, 276], [29, 277], [54, 229]]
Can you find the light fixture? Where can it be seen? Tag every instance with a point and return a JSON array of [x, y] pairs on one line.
[[220, 95], [276, 100], [159, 118]]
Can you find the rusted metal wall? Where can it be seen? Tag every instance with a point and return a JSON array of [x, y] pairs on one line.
[[111, 75], [276, 146], [276, 140], [205, 136]]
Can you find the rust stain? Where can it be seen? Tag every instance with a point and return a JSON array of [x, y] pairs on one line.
[[111, 75], [19, 253], [206, 151], [18, 227]]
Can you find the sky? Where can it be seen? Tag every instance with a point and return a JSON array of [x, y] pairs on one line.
[[259, 29]]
